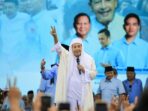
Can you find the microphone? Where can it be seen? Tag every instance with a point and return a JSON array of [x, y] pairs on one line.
[[78, 62]]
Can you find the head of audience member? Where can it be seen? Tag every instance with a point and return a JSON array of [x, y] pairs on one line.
[[130, 72], [35, 6], [104, 10], [24, 98], [10, 8], [104, 37], [30, 95], [115, 72], [82, 24], [5, 93], [109, 72], [1, 5], [132, 25]]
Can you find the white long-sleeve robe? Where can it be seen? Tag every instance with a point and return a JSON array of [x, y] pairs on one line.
[[71, 86]]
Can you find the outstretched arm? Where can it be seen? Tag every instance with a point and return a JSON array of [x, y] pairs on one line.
[[48, 74], [57, 46]]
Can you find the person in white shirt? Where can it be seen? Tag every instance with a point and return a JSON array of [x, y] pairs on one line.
[[76, 70]]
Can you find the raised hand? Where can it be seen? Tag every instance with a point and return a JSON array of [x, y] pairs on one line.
[[54, 34], [37, 102], [127, 106], [14, 96], [43, 62], [114, 106], [53, 31]]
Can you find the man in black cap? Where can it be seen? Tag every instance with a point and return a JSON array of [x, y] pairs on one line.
[[133, 86], [110, 86]]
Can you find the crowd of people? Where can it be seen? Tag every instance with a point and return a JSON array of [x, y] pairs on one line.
[[14, 97], [98, 42]]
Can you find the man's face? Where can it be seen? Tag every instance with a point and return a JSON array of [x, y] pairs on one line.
[[10, 9], [82, 26], [130, 75], [104, 40], [132, 27], [30, 96], [24, 98], [104, 10], [109, 75], [77, 49]]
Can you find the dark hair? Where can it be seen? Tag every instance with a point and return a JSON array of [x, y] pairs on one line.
[[131, 15], [105, 31], [12, 1], [30, 92], [78, 16]]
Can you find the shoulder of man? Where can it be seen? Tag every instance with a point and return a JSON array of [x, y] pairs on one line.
[[138, 80]]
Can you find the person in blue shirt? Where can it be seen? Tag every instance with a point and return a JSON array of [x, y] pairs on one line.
[[132, 85], [49, 77], [110, 87], [107, 54], [134, 49], [48, 81]]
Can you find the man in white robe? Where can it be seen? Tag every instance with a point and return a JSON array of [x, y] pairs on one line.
[[74, 80]]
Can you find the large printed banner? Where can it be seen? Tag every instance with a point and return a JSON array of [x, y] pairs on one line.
[[25, 36]]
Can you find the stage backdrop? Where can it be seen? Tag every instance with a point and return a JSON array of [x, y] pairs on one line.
[[25, 36]]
